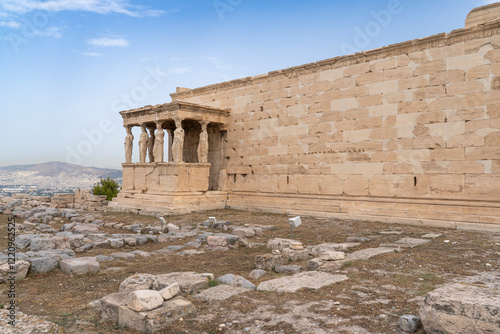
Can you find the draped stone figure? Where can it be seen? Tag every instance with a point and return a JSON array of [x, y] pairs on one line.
[[158, 143], [143, 143], [178, 142], [129, 140], [203, 143], [151, 143]]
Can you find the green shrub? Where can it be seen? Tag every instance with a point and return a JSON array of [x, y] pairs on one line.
[[108, 187]]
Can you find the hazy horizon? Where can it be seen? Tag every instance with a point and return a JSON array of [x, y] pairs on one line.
[[69, 66]]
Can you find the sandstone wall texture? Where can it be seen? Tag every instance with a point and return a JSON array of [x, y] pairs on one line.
[[408, 132]]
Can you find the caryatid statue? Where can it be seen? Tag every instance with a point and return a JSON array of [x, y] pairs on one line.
[[158, 143], [178, 142], [151, 143], [203, 143], [143, 143], [129, 140]]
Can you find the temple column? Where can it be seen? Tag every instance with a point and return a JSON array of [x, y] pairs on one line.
[[143, 143], [203, 143], [129, 142], [170, 142], [151, 143], [178, 142], [159, 142]]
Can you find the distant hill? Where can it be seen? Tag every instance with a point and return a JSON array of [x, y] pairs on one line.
[[56, 168]]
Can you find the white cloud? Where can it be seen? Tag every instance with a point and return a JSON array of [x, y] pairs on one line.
[[93, 54], [10, 24], [108, 42], [217, 63], [51, 32], [95, 6], [179, 70]]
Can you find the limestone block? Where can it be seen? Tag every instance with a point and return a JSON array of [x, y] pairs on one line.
[[170, 291], [216, 241], [137, 282], [309, 279], [110, 305], [156, 320], [188, 281], [331, 256], [236, 280], [21, 269], [268, 261], [355, 185], [461, 308], [144, 300], [80, 266], [295, 255], [465, 62]]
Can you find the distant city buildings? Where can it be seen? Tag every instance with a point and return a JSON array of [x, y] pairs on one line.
[[35, 184]]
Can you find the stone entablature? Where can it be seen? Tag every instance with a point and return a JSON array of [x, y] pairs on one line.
[[174, 110]]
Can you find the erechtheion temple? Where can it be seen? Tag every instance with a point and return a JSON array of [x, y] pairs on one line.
[[406, 133]]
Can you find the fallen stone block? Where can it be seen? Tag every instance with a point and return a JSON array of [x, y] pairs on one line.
[[279, 244], [243, 232], [26, 324], [257, 273], [43, 264], [41, 243], [220, 292], [462, 308], [326, 247], [368, 253], [268, 261], [21, 269], [189, 281], [144, 300], [409, 323], [137, 282], [287, 269], [308, 279], [123, 256], [24, 240], [331, 256], [295, 255], [115, 243], [170, 291], [216, 241], [61, 242], [236, 280], [111, 304], [80, 266], [158, 319]]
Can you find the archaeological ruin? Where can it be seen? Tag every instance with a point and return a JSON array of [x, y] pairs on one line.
[[408, 133]]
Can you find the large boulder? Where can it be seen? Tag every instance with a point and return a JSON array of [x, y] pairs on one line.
[[80, 266], [463, 308]]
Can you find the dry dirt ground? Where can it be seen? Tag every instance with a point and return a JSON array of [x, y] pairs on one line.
[[378, 291]]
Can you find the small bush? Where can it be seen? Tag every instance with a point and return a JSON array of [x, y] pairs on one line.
[[108, 187]]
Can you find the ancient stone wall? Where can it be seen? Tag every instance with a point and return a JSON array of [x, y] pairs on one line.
[[408, 132]]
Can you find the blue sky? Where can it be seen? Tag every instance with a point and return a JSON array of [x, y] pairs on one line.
[[68, 66]]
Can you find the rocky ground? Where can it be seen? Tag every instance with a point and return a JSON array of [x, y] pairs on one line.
[[385, 270]]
